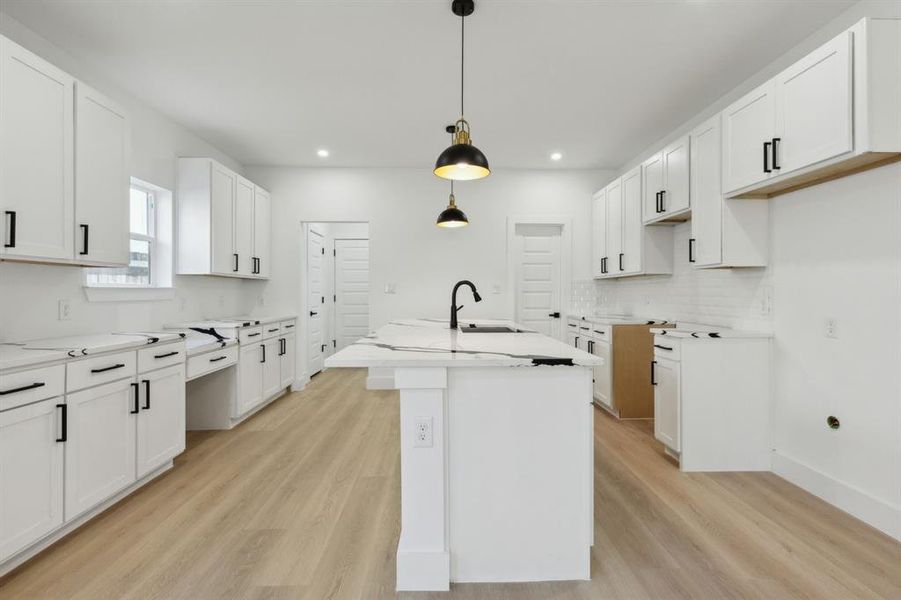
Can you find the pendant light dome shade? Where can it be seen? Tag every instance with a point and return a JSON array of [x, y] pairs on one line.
[[462, 161], [452, 216]]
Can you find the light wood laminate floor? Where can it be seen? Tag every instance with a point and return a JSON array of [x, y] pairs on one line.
[[302, 502]]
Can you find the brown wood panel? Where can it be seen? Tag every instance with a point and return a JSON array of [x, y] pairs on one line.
[[633, 351]]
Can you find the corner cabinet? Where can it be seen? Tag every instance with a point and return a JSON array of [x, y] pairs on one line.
[[623, 245], [224, 222], [833, 112], [63, 166]]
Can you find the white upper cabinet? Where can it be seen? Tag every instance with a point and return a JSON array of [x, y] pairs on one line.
[[599, 232], [835, 111], [101, 180], [633, 230], [614, 227], [36, 156], [244, 226], [218, 221], [666, 183], [262, 228]]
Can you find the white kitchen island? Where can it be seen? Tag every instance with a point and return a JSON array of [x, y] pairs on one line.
[[496, 434]]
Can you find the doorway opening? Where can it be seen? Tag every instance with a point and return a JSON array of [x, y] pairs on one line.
[[335, 288]]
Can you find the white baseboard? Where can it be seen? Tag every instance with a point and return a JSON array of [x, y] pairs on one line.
[[380, 383], [423, 571], [882, 515]]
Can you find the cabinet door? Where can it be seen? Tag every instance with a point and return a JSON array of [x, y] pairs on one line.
[[599, 232], [667, 403], [615, 228], [222, 214], [272, 368], [288, 361], [161, 421], [813, 107], [244, 202], [748, 124], [101, 180], [652, 185], [100, 450], [250, 377], [603, 388], [36, 150], [262, 227], [31, 474], [706, 195], [675, 197], [633, 228]]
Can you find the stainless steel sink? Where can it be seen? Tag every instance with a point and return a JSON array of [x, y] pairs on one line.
[[473, 328]]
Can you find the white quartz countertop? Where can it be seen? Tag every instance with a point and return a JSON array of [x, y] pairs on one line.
[[710, 334], [13, 356], [430, 343], [199, 345], [46, 350], [231, 322], [616, 319]]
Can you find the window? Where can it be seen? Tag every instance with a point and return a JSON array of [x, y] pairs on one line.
[[150, 243]]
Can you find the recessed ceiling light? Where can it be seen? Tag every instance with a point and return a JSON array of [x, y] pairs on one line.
[[323, 153], [556, 155]]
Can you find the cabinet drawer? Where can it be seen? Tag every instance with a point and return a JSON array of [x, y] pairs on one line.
[[211, 361], [100, 369], [250, 334], [160, 356], [287, 326], [601, 332], [572, 325], [667, 347], [271, 330], [25, 387]]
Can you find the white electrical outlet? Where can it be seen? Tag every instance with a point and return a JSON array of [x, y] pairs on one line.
[[422, 437], [831, 329], [65, 309]]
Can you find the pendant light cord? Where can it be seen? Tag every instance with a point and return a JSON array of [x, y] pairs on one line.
[[462, 55]]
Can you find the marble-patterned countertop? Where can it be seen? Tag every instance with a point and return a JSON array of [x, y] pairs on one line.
[[616, 319], [231, 322], [48, 350], [709, 333], [430, 343], [199, 344]]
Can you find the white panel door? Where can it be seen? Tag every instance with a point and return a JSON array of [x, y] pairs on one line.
[[599, 232], [706, 242], [31, 474], [262, 231], [614, 225], [538, 277], [633, 229], [675, 197], [314, 301], [288, 360], [101, 179], [222, 215], [250, 377], [749, 126], [100, 450], [813, 107], [161, 420], [36, 155], [272, 368], [652, 185], [667, 403], [351, 291], [244, 226]]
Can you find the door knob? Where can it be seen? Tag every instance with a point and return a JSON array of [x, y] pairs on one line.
[[556, 315]]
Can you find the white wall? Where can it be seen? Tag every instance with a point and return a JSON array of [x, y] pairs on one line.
[[29, 293], [407, 250]]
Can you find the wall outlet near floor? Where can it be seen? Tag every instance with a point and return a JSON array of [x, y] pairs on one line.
[[65, 309], [422, 437], [831, 329]]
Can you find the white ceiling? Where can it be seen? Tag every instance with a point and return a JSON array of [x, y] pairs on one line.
[[269, 82]]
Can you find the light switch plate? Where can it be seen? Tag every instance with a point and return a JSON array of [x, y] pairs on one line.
[[65, 309]]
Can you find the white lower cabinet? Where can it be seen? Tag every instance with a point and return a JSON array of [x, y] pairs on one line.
[[272, 367], [288, 360], [161, 418], [250, 378], [667, 401], [603, 382], [31, 474], [100, 445]]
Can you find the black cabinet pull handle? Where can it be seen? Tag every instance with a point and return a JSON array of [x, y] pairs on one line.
[[105, 369], [64, 422], [263, 346], [136, 408], [776, 153], [604, 265], [146, 394], [272, 330], [584, 328], [217, 359], [289, 326], [662, 201], [253, 334], [663, 347], [576, 342], [653, 374], [166, 355], [621, 268], [691, 250], [235, 266], [599, 332], [84, 239], [657, 205], [571, 324], [11, 238], [30, 386], [766, 157]]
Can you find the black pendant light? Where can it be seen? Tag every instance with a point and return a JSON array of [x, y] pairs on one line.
[[452, 216], [462, 161]]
